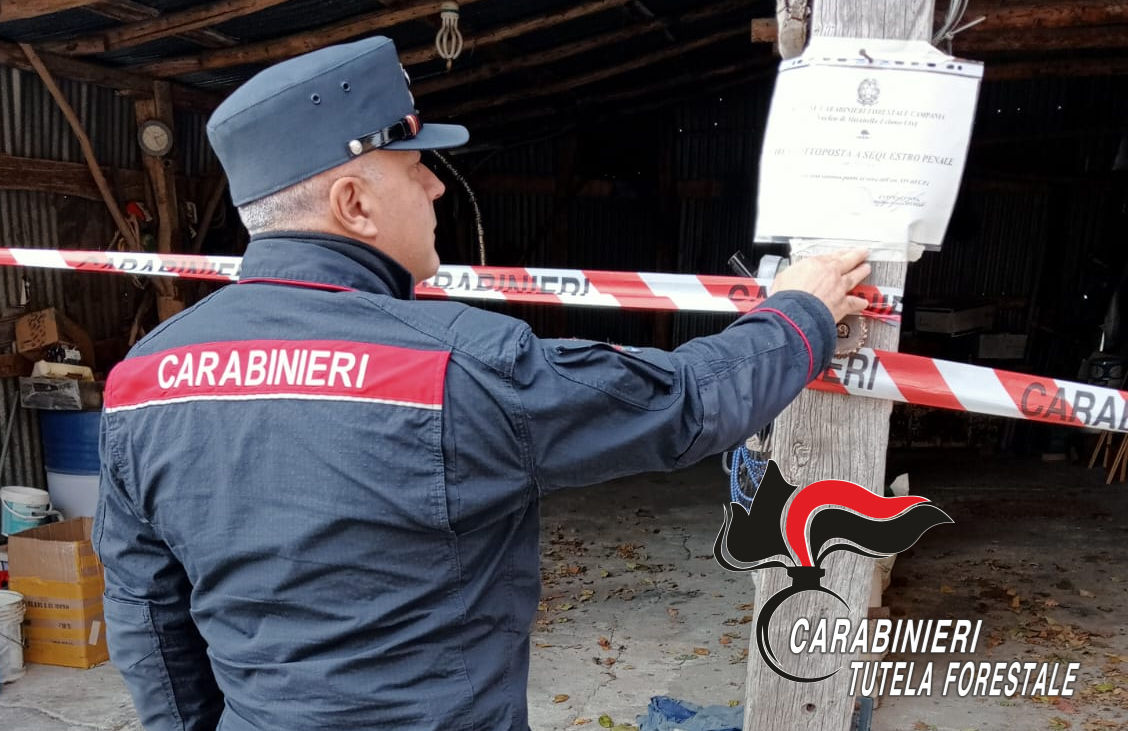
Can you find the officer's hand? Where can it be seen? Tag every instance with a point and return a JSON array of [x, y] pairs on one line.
[[828, 277]]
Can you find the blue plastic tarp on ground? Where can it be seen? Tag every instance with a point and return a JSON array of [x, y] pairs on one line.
[[670, 714]]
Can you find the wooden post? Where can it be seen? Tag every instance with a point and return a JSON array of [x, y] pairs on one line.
[[823, 436], [162, 178]]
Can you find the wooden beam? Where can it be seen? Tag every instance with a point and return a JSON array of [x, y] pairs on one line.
[[83, 142], [91, 73], [162, 26], [420, 54], [277, 49], [575, 82], [23, 9], [1041, 40], [1010, 18], [557, 53], [128, 11], [1046, 15], [603, 106], [161, 171], [821, 436], [65, 178]]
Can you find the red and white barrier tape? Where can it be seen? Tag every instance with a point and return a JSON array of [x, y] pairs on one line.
[[876, 374], [913, 379], [589, 288]]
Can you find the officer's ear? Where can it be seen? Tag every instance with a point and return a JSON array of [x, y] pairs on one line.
[[353, 205]]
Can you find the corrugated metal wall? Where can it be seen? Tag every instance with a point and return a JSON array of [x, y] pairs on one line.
[[31, 125], [1038, 231]]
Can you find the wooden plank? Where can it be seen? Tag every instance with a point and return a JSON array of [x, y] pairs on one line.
[[822, 436], [23, 9], [1047, 15], [574, 82], [65, 178], [277, 49], [420, 54], [91, 73], [161, 171], [1041, 39], [161, 26], [1010, 18], [557, 53], [128, 11]]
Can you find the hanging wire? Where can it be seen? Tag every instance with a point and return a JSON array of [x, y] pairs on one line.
[[951, 25], [473, 204]]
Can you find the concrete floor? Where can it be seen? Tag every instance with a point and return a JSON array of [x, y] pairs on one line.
[[634, 605]]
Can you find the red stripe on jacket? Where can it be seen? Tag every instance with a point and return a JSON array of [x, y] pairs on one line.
[[256, 369]]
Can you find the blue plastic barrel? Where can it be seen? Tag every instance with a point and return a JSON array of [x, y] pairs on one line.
[[70, 441]]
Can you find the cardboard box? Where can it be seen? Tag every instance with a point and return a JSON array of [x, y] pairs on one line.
[[40, 330], [954, 320], [55, 568]]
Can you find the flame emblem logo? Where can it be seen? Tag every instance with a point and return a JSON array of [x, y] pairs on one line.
[[793, 528]]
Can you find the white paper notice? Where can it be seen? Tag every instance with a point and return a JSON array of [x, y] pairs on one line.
[[866, 141]]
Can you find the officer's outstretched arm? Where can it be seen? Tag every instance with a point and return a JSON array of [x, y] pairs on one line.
[[596, 411]]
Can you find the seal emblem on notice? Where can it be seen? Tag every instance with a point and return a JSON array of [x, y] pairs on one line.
[[868, 92]]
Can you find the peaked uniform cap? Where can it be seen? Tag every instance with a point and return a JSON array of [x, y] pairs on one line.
[[297, 118]]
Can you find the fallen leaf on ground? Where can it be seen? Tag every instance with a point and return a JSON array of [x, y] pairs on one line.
[[945, 589], [1051, 602], [560, 698], [672, 612], [1057, 722], [725, 640], [700, 651], [608, 661], [581, 721], [605, 721], [605, 643], [733, 704], [747, 607], [1064, 706]]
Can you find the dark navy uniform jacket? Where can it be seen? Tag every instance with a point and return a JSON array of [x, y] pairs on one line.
[[319, 496]]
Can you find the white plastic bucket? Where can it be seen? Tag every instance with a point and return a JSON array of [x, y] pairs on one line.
[[11, 640], [75, 496], [22, 508]]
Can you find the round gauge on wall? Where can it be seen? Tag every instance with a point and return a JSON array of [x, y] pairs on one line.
[[155, 138]]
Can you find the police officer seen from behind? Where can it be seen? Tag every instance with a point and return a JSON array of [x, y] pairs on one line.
[[319, 499]]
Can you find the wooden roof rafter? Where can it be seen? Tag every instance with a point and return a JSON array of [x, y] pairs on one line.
[[421, 54], [276, 49], [570, 83], [24, 9], [557, 53], [160, 26], [122, 81], [129, 11]]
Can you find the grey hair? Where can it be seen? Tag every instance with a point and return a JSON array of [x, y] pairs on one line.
[[288, 209]]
